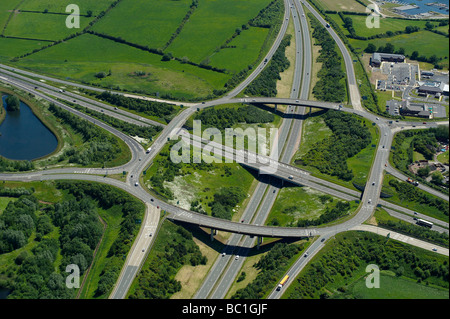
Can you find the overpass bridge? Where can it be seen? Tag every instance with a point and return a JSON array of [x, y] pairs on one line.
[[286, 101]]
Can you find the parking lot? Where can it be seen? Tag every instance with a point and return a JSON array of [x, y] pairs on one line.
[[399, 75]]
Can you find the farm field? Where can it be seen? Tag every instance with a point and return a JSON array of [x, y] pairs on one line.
[[10, 47], [241, 51], [198, 35], [211, 24], [81, 58], [41, 26], [59, 6], [151, 25]]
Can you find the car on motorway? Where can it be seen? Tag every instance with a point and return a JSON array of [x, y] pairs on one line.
[[291, 177], [223, 254], [323, 239], [237, 257], [136, 184], [434, 249], [306, 254], [415, 213], [373, 183], [370, 201]]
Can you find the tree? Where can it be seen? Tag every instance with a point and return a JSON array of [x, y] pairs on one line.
[[371, 48], [423, 171], [167, 57], [389, 48], [429, 26], [414, 55], [437, 178], [12, 103]]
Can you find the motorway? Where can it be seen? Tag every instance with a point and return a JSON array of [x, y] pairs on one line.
[[227, 267], [264, 193]]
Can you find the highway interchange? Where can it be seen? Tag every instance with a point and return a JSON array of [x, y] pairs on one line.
[[226, 267]]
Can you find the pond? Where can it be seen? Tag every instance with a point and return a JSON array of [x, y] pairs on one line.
[[23, 136]]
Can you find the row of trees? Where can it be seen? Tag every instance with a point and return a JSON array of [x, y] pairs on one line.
[[414, 231], [151, 108], [348, 139], [7, 165], [100, 147], [267, 17], [222, 118], [270, 268], [266, 83], [131, 129], [156, 279], [331, 214], [191, 10], [330, 86], [409, 192]]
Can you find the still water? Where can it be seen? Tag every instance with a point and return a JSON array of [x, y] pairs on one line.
[[23, 136]]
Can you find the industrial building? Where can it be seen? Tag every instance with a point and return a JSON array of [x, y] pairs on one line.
[[378, 57]]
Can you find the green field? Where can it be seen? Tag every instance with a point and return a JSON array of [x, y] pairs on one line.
[[59, 6], [151, 25], [294, 203], [198, 32], [425, 42], [386, 24], [4, 202], [242, 50], [81, 58], [211, 24], [41, 26], [392, 287], [10, 47], [338, 271]]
